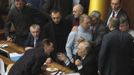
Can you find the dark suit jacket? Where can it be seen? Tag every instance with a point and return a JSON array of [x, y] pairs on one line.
[[115, 54], [30, 63], [98, 33], [22, 19], [30, 40], [89, 65], [121, 13]]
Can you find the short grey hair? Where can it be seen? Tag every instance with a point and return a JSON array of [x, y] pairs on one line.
[[87, 43], [80, 6], [35, 26], [96, 14]]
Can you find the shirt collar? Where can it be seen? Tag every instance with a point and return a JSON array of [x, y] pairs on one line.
[[81, 29], [116, 12]]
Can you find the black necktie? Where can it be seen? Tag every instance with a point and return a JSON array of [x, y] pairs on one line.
[[113, 14]]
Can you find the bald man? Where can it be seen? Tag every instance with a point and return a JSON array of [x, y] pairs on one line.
[[73, 19]]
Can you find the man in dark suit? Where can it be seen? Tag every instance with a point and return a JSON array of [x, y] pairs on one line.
[[21, 16], [85, 61], [116, 51], [116, 11], [34, 37], [32, 60]]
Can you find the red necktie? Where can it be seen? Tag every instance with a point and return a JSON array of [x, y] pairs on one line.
[[76, 22]]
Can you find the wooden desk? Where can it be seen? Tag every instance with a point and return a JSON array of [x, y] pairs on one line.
[[60, 67], [7, 61], [12, 47], [2, 32], [56, 65]]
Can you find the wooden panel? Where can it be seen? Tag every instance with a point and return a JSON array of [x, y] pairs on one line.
[[128, 5]]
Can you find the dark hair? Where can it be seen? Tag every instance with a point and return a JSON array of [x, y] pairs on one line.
[[119, 1], [115, 22], [123, 19], [21, 0], [56, 10], [45, 42]]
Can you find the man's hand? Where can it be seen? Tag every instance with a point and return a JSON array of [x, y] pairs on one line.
[[27, 48], [62, 57], [78, 62], [74, 29], [48, 61], [9, 39]]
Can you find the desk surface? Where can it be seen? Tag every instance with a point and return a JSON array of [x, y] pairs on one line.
[[1, 32], [7, 61], [12, 47], [56, 65], [15, 48]]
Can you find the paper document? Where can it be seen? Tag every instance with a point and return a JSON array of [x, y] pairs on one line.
[[15, 56], [3, 45]]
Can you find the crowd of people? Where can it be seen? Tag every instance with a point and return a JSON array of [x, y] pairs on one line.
[[61, 31]]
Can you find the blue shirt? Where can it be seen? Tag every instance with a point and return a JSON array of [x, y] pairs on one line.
[[74, 37]]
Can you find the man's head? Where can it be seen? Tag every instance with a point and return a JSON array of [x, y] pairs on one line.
[[85, 21], [83, 48], [114, 24], [124, 24], [95, 15], [20, 4], [35, 30], [56, 16], [77, 10], [47, 46], [115, 5]]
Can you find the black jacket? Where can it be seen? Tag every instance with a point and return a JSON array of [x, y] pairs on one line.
[[89, 64], [57, 33], [30, 63], [115, 54]]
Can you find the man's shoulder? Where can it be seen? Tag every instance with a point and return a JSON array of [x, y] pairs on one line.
[[69, 16], [123, 13], [48, 25]]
